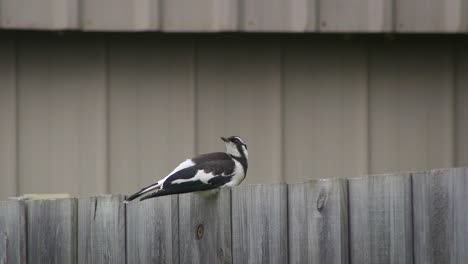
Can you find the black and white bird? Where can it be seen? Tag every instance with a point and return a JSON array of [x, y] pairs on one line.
[[204, 172]]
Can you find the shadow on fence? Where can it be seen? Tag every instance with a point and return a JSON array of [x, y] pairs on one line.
[[419, 217]]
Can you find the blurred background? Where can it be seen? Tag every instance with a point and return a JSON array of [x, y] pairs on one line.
[[109, 96]]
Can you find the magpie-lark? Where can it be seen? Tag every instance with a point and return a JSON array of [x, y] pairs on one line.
[[204, 172]]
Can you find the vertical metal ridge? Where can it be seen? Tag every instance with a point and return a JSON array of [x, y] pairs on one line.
[[17, 114], [108, 116]]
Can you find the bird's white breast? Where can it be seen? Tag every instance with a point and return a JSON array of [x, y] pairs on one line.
[[238, 176]]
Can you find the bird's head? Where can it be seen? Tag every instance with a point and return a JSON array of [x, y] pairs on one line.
[[235, 146]]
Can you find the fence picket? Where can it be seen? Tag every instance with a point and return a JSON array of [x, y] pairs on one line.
[[51, 231], [318, 221], [13, 226], [259, 224], [205, 227], [440, 202], [152, 231], [380, 219], [101, 229]]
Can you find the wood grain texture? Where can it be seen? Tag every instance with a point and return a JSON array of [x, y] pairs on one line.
[[440, 210], [259, 224], [8, 119], [380, 219], [101, 229], [205, 227], [152, 231], [3, 248], [318, 222], [13, 226], [152, 109], [355, 15], [51, 231]]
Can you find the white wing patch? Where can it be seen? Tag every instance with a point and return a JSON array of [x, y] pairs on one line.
[[200, 176], [186, 164]]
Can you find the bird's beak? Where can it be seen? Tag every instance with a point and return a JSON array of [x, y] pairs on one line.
[[224, 139]]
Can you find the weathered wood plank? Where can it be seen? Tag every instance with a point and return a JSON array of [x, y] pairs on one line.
[[318, 222], [380, 216], [259, 224], [13, 226], [440, 210], [152, 231], [205, 227], [101, 229], [51, 231], [3, 248]]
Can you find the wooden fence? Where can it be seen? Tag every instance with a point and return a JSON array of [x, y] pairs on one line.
[[419, 217]]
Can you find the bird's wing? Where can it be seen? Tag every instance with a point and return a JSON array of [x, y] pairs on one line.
[[182, 170], [201, 177], [210, 157]]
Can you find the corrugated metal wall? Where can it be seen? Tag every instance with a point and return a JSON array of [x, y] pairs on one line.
[[238, 15], [96, 113]]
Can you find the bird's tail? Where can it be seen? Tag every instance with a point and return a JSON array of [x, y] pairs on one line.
[[143, 191]]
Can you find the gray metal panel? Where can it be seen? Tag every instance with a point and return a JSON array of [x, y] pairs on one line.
[[318, 222], [43, 14], [8, 119], [62, 118], [355, 15], [277, 15], [440, 203], [461, 104], [239, 93], [411, 106], [120, 15], [325, 109], [152, 109], [237, 15], [431, 15], [202, 15]]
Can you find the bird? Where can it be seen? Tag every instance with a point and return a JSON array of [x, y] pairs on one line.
[[204, 172]]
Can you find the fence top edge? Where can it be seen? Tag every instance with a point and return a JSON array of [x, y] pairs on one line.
[[316, 181], [103, 196]]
